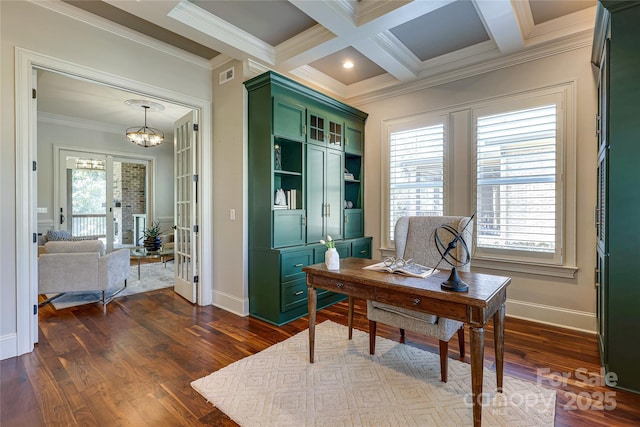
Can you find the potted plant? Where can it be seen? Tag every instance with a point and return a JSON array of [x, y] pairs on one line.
[[152, 241]]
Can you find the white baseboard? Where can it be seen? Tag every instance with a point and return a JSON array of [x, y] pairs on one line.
[[8, 346], [235, 305], [550, 315]]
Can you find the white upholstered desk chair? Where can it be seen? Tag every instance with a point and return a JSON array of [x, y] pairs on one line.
[[414, 239]]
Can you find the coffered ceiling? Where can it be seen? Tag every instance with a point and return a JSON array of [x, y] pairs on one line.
[[391, 43]]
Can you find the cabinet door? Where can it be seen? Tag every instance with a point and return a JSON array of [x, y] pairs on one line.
[[316, 128], [601, 301], [353, 138], [288, 119], [316, 167], [288, 227], [353, 223], [335, 132], [334, 193]]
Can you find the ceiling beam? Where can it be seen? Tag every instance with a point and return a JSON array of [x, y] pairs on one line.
[[501, 22]]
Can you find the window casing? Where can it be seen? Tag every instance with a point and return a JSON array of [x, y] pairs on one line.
[[474, 176], [518, 191]]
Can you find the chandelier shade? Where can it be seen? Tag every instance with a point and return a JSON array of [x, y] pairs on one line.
[[145, 136]]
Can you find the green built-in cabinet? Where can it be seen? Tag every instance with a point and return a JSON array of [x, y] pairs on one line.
[[310, 147], [615, 52]]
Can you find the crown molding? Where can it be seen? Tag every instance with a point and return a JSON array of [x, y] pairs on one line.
[[251, 68], [220, 30], [577, 41], [120, 31], [320, 80]]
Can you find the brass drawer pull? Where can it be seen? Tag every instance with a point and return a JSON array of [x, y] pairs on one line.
[[416, 301], [339, 285], [298, 265], [299, 293]]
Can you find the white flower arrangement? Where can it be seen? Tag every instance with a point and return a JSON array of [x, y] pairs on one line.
[[329, 243]]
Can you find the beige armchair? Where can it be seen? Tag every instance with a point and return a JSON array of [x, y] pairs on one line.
[[414, 238], [82, 266]]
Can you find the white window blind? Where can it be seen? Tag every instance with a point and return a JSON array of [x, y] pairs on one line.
[[416, 173], [516, 180]]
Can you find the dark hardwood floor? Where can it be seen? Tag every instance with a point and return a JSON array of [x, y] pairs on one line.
[[133, 366]]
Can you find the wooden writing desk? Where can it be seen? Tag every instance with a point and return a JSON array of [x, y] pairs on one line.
[[484, 301]]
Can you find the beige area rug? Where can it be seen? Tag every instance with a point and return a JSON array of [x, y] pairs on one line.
[[152, 276], [399, 386]]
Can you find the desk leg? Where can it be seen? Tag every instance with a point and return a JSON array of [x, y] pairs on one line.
[[138, 268], [477, 359], [350, 317], [313, 295], [498, 338]]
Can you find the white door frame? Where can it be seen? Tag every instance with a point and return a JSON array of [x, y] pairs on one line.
[[26, 62]]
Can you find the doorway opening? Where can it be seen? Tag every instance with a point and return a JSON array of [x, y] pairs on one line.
[[28, 63]]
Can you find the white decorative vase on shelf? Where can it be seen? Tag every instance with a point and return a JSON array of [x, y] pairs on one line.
[[332, 259]]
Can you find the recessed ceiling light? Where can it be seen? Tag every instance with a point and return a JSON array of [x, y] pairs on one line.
[[347, 64]]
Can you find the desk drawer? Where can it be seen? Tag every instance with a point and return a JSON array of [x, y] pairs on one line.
[[342, 287], [447, 309]]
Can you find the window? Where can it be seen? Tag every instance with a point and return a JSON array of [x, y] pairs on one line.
[[517, 180], [416, 172], [511, 159]]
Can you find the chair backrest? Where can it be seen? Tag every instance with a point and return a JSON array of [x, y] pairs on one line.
[[414, 237], [60, 246]]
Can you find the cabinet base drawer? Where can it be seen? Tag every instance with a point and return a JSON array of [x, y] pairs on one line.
[[294, 294]]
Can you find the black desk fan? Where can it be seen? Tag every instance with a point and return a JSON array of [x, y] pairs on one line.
[[446, 233]]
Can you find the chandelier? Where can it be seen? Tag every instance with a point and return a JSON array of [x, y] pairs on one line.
[[145, 136]]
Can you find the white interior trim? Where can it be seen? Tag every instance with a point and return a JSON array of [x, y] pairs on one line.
[[549, 315], [26, 145]]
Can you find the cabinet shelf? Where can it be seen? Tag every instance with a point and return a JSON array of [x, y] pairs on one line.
[[355, 181], [281, 172]]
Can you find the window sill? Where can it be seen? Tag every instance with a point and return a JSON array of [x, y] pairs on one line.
[[566, 272], [563, 271]]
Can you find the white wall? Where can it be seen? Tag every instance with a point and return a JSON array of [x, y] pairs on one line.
[[29, 26], [229, 154], [566, 302]]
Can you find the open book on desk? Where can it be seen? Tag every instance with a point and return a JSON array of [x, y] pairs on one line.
[[411, 269]]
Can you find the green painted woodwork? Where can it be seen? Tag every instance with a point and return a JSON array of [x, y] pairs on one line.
[[316, 170], [324, 193], [288, 227], [354, 140], [288, 119], [296, 141], [618, 295], [334, 194], [361, 248], [291, 264], [353, 223]]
